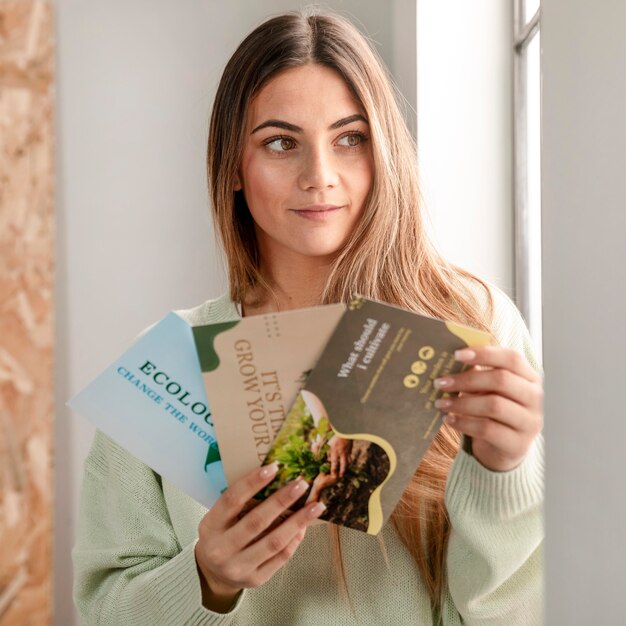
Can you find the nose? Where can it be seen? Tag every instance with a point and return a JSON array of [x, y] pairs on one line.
[[319, 169]]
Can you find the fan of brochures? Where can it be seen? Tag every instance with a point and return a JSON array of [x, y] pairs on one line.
[[341, 395]]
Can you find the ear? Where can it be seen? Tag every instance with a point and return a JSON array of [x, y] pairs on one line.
[[237, 185]]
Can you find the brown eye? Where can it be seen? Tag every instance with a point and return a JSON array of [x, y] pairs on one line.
[[280, 144], [353, 140]]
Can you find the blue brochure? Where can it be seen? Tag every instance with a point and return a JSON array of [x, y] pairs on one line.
[[152, 402]]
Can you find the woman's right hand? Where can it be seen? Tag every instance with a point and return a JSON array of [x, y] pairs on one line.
[[237, 550]]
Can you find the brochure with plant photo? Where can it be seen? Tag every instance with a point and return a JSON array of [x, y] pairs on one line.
[[366, 416]]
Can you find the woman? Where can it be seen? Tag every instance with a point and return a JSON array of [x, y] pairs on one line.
[[315, 196]]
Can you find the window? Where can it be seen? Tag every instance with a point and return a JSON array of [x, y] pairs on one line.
[[527, 164]]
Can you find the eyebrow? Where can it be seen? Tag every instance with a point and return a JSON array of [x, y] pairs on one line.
[[296, 129]]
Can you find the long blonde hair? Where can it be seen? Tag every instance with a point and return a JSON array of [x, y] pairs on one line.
[[388, 256]]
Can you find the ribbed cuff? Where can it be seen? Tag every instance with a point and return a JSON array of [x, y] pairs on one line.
[[473, 489], [177, 589]]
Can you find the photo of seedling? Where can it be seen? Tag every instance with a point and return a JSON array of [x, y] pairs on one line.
[[342, 472]]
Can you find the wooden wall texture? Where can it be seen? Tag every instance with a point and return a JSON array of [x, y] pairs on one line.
[[26, 311]]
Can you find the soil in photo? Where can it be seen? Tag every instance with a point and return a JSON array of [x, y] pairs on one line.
[[347, 500]]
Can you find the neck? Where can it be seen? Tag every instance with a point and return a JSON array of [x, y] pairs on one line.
[[297, 282]]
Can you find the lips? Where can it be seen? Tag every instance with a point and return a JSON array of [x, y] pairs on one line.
[[317, 211], [318, 207]]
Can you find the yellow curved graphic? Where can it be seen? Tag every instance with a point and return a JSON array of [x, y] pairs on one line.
[[470, 336], [374, 508]]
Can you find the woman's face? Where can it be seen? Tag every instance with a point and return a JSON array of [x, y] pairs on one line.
[[307, 167]]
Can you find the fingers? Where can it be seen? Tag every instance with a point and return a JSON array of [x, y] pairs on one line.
[[343, 463], [338, 464], [498, 435], [498, 356], [498, 403], [230, 559], [262, 516], [269, 568], [277, 545], [255, 564], [493, 406], [333, 457], [500, 381], [227, 509]]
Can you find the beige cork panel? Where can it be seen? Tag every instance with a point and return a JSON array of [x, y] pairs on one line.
[[26, 311]]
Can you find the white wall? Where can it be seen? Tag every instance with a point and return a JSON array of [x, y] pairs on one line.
[[464, 131], [584, 308], [135, 82]]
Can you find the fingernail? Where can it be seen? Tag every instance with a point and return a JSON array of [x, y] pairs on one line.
[[464, 355], [449, 419], [317, 509], [442, 382], [298, 487], [442, 403], [269, 470]]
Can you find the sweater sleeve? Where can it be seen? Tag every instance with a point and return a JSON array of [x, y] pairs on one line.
[[128, 565], [495, 550]]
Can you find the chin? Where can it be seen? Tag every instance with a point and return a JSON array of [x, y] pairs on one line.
[[318, 251]]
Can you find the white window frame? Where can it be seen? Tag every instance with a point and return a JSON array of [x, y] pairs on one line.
[[527, 296]]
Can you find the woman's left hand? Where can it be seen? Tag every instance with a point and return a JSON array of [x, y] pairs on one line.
[[501, 406]]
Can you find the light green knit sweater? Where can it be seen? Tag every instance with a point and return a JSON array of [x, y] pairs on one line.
[[134, 554]]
